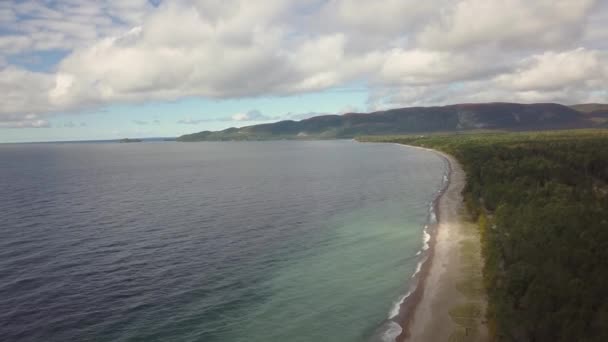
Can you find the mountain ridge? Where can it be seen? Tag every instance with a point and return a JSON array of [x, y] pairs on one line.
[[449, 118]]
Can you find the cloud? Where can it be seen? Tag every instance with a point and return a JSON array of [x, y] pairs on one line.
[[349, 109], [384, 18], [255, 115], [24, 97], [223, 59], [25, 121], [25, 124], [140, 122], [42, 26], [11, 44], [72, 124], [556, 70], [418, 67], [252, 115], [191, 121], [478, 91], [301, 116], [509, 23], [403, 52]]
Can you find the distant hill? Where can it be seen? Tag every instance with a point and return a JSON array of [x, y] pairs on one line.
[[591, 107], [129, 140], [597, 113], [458, 117]]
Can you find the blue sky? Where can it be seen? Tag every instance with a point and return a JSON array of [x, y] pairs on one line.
[[79, 70], [162, 119]]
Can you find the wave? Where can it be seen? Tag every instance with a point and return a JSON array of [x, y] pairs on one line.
[[432, 214], [393, 330], [397, 306], [418, 267], [426, 238]]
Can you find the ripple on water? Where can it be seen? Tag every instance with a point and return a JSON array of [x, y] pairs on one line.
[[210, 241]]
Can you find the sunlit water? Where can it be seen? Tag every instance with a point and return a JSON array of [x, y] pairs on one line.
[[259, 241]]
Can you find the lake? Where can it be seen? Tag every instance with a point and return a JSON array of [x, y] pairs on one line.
[[212, 241]]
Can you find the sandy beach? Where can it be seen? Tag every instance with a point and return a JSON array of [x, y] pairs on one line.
[[450, 305]]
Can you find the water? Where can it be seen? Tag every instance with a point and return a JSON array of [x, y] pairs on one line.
[[233, 241]]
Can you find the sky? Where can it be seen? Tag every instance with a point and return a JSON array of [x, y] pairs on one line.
[[107, 69]]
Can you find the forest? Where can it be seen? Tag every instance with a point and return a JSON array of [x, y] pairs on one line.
[[541, 201]]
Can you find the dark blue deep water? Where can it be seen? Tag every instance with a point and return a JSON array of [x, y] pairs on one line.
[[261, 241]]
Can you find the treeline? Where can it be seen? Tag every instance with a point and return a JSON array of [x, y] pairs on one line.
[[541, 200]]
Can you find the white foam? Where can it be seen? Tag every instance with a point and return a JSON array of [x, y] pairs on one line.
[[395, 309], [426, 239], [433, 218], [397, 306], [418, 267], [393, 330]]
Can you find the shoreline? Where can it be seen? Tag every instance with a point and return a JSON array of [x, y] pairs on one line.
[[427, 312], [410, 304]]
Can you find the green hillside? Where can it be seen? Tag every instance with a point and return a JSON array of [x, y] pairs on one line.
[[460, 117]]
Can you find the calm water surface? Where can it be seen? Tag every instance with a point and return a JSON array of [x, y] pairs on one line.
[[261, 241]]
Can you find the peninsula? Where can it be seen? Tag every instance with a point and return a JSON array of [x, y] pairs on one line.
[[128, 140]]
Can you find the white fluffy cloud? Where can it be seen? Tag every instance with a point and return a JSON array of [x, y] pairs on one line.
[[252, 115], [47, 25], [406, 52], [24, 92], [422, 67], [510, 23], [23, 121], [377, 17], [553, 71]]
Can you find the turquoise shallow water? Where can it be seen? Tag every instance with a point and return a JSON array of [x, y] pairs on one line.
[[269, 241], [342, 288]]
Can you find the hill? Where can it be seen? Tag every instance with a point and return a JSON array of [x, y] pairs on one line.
[[595, 112], [590, 107], [452, 118]]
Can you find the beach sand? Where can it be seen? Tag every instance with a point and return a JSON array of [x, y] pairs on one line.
[[451, 304]]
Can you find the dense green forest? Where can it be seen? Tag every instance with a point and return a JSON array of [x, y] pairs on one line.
[[541, 200]]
